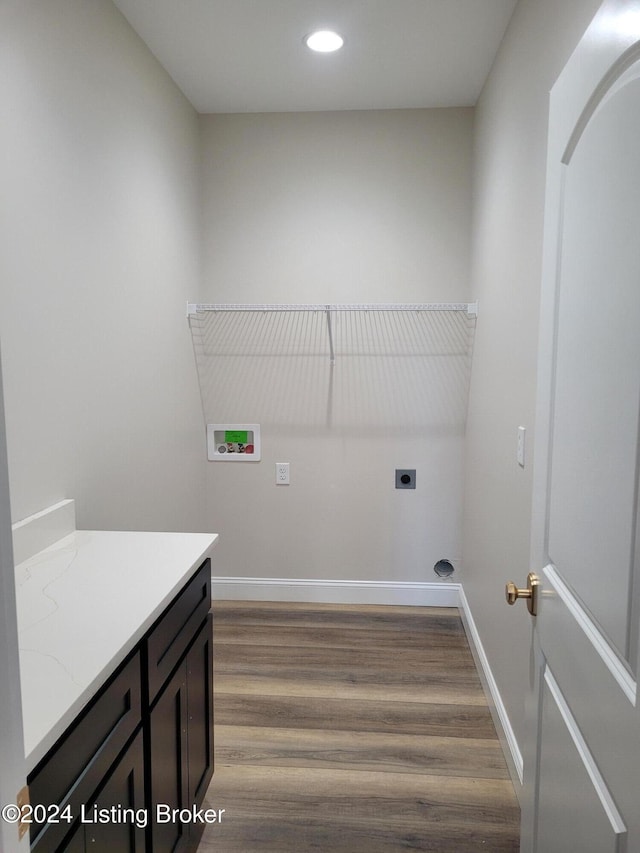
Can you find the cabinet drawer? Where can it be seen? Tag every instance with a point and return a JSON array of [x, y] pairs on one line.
[[73, 770], [176, 628]]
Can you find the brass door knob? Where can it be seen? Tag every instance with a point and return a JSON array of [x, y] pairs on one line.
[[512, 593]]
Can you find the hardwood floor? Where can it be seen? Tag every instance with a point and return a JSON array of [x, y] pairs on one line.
[[353, 730]]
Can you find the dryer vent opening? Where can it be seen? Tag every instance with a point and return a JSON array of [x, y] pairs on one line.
[[443, 568]]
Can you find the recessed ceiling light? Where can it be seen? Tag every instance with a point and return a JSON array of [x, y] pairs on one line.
[[324, 41]]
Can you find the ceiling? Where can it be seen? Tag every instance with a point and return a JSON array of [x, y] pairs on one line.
[[234, 56]]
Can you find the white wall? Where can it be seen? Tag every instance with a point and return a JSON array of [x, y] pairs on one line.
[[338, 207], [12, 766], [509, 179], [99, 252]]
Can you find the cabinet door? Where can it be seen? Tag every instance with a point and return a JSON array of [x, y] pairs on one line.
[[115, 821], [168, 757], [200, 706], [121, 805], [76, 843]]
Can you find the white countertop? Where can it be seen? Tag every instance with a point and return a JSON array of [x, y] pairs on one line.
[[83, 603]]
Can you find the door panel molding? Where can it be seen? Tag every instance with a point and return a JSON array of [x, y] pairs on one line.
[[598, 640], [595, 424], [618, 825], [602, 91]]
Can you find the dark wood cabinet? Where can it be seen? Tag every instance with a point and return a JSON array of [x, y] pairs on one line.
[[200, 712], [146, 739], [168, 762], [123, 789], [173, 633], [65, 782], [181, 752], [116, 820]]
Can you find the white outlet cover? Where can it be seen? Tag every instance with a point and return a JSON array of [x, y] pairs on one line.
[[282, 474], [233, 442]]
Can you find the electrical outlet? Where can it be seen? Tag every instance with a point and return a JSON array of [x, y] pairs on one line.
[[282, 474], [405, 478]]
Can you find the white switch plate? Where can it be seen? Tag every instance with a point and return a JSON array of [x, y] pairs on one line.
[[521, 442], [282, 474]]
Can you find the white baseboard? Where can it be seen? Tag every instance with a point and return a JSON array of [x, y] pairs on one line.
[[444, 594], [506, 735]]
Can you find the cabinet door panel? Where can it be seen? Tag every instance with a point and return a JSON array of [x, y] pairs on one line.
[[200, 698], [123, 831], [118, 831], [168, 758], [75, 844]]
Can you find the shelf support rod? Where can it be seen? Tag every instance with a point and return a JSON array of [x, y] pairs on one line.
[[332, 355]]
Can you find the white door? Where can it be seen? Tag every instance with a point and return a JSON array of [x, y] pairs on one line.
[[582, 765]]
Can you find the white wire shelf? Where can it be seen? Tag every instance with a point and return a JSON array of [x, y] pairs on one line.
[[471, 308], [357, 366]]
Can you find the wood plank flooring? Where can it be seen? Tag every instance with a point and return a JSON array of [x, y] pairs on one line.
[[353, 730]]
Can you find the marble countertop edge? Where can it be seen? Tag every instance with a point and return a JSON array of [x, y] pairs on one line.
[[84, 603]]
